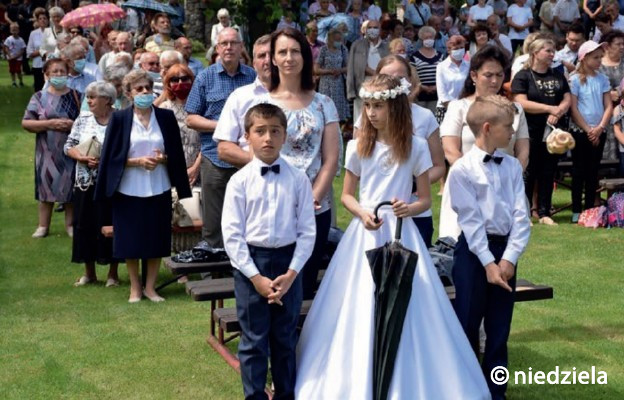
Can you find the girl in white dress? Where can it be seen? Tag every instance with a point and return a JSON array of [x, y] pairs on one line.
[[335, 351]]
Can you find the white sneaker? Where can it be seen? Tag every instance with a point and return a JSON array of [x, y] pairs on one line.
[[41, 232]]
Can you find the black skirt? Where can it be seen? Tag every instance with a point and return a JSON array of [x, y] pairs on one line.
[[89, 245], [142, 226]]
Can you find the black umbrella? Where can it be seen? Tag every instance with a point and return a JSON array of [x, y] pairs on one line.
[[393, 267]]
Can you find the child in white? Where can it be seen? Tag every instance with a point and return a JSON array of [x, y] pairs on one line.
[[335, 351], [14, 47]]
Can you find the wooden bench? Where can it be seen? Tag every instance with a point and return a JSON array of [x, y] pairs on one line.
[[224, 320], [612, 185]]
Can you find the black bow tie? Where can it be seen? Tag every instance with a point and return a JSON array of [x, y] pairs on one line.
[[275, 168], [488, 157]]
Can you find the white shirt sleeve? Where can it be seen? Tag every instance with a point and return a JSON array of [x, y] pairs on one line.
[[306, 225], [469, 218], [521, 228], [233, 222], [230, 126]]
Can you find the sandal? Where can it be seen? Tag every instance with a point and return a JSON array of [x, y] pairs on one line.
[[547, 221], [110, 282], [40, 232], [83, 280]]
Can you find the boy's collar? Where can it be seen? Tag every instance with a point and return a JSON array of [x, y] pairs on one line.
[[263, 164]]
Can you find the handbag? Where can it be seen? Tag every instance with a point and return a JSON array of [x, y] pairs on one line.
[[186, 210], [91, 147]]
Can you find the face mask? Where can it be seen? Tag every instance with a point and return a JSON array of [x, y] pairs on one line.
[[79, 65], [181, 90], [428, 43], [144, 100], [155, 76], [372, 33], [137, 65], [402, 55], [458, 54], [337, 44], [59, 82]]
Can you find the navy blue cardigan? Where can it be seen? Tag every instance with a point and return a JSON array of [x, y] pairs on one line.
[[117, 143]]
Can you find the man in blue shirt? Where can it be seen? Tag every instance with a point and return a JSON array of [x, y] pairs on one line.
[[204, 104], [185, 47]]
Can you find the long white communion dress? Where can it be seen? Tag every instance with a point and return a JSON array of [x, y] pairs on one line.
[[335, 350]]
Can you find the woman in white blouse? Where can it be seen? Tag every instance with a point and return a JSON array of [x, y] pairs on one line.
[[34, 43], [142, 159], [50, 34], [485, 77], [89, 245]]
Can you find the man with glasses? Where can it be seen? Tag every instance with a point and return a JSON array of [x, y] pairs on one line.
[[185, 47], [150, 63], [210, 90]]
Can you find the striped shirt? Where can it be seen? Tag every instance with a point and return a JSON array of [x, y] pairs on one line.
[[426, 68]]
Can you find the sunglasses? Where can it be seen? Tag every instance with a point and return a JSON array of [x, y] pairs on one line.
[[184, 79]]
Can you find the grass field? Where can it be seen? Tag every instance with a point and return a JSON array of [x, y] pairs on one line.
[[57, 341]]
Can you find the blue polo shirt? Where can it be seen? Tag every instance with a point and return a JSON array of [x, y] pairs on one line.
[[210, 90]]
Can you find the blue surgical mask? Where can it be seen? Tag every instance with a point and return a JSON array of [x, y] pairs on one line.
[[79, 65], [337, 43], [59, 82], [144, 100], [155, 76]]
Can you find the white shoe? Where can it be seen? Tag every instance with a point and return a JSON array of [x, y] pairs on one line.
[[83, 280], [547, 221], [112, 282], [40, 232], [70, 231]]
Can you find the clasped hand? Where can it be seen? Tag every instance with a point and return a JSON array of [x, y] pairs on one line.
[[499, 274], [275, 289], [150, 163], [399, 207]]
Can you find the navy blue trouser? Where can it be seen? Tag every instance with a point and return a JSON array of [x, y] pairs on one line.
[[268, 326], [476, 300], [425, 228], [311, 268]]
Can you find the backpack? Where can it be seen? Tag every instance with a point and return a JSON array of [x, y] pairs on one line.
[[615, 210], [593, 217]]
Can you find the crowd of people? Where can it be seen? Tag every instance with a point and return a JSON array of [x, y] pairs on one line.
[[123, 114]]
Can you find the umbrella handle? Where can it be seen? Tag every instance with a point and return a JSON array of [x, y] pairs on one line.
[[397, 232]]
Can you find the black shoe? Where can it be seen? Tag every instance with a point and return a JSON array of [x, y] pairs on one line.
[[60, 208]]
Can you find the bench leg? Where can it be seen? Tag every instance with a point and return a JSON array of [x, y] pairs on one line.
[[224, 352], [221, 333], [212, 321], [169, 282]]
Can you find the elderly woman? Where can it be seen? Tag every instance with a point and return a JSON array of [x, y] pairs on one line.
[[177, 86], [142, 159], [89, 245], [544, 95], [50, 34], [479, 37], [50, 114], [312, 143], [451, 74], [485, 77], [331, 66], [114, 75], [426, 60]]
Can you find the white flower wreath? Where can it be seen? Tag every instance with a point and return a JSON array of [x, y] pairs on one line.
[[403, 88]]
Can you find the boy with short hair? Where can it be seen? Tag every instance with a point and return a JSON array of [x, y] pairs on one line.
[[487, 193], [268, 232], [14, 47]]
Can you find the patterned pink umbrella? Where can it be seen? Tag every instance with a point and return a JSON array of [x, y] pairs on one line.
[[92, 15]]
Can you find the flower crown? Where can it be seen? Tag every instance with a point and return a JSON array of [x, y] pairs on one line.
[[403, 88]]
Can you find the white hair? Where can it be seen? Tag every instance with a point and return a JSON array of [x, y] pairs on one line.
[[169, 54], [223, 13], [102, 89]]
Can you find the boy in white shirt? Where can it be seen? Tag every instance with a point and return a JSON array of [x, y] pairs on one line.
[[14, 47], [519, 19], [487, 193], [269, 231]]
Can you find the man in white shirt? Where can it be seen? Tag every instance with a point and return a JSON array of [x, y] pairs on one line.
[[519, 19], [568, 56], [499, 39], [565, 13], [268, 232], [613, 10], [150, 63], [232, 147], [123, 42]]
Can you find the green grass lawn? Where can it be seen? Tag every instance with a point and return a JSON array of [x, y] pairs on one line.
[[57, 341]]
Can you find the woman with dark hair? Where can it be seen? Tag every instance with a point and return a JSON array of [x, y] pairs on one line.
[[142, 159], [545, 95], [485, 77], [50, 114], [479, 37], [312, 143]]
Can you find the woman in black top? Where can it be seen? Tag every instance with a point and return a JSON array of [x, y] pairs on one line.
[[545, 96]]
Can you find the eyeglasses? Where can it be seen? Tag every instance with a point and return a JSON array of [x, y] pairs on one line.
[[178, 79], [231, 43]]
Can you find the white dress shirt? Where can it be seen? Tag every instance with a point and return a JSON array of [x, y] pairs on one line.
[[450, 79], [489, 198], [138, 181], [373, 55], [271, 211], [34, 43], [231, 125], [566, 10]]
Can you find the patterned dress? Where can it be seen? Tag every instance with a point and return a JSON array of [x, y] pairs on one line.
[[334, 86], [53, 169], [190, 137]]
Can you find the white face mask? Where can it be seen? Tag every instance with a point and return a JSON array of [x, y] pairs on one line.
[[372, 33], [458, 54], [428, 43]]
